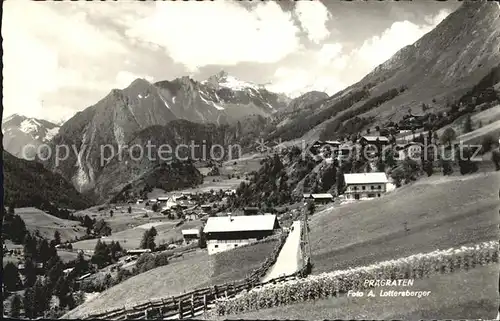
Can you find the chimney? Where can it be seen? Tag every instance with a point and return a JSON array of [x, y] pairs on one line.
[[229, 216]]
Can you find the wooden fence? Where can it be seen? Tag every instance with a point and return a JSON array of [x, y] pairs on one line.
[[198, 301], [187, 305]]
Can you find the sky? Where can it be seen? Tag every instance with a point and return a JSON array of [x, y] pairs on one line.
[[62, 57]]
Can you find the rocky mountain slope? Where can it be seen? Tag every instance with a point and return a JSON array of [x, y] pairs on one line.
[[131, 168], [437, 69], [19, 131], [28, 183], [104, 173], [220, 99], [118, 117]]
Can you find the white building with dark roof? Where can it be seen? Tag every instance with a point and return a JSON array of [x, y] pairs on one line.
[[227, 232], [365, 185], [190, 235], [321, 198]]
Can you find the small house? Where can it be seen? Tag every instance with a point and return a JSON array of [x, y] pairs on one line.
[[322, 198], [251, 210], [68, 271], [190, 235], [138, 251], [365, 185], [206, 207], [411, 151], [376, 141], [344, 151], [191, 217]]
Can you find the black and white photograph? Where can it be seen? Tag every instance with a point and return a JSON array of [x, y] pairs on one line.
[[251, 160]]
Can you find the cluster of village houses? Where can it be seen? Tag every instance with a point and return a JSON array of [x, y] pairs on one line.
[[185, 204], [223, 233], [227, 232], [404, 148]]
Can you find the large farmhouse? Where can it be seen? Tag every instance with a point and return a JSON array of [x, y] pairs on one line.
[[227, 232], [365, 185]]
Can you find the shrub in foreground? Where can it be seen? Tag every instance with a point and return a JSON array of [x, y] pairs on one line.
[[334, 283]]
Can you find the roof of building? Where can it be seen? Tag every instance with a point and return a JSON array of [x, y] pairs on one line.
[[240, 223], [374, 138], [139, 251], [333, 142], [190, 232], [322, 195], [365, 178]]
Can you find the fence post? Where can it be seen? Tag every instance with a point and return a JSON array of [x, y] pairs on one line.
[[204, 302], [215, 292], [180, 309], [192, 305], [146, 314]]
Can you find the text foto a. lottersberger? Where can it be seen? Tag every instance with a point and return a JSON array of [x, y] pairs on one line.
[[372, 283]]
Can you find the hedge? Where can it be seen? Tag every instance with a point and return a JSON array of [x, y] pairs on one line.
[[338, 282]]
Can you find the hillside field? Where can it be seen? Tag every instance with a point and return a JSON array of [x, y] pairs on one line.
[[131, 238], [440, 212], [462, 295], [195, 270], [47, 224]]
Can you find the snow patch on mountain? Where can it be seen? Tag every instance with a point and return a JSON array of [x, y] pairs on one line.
[[51, 133], [210, 102], [164, 101], [28, 126], [236, 84]]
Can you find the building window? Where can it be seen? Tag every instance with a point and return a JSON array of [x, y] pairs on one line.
[[364, 187], [379, 187], [216, 246], [355, 188], [378, 195], [371, 195], [235, 245], [373, 187]]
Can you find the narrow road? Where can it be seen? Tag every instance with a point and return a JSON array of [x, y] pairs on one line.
[[290, 258]]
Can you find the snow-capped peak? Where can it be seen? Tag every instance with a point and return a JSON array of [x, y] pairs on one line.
[[223, 79]]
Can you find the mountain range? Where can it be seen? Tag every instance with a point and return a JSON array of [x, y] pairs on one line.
[[438, 69], [19, 131]]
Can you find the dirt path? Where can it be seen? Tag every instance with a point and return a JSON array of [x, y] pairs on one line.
[[290, 258]]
